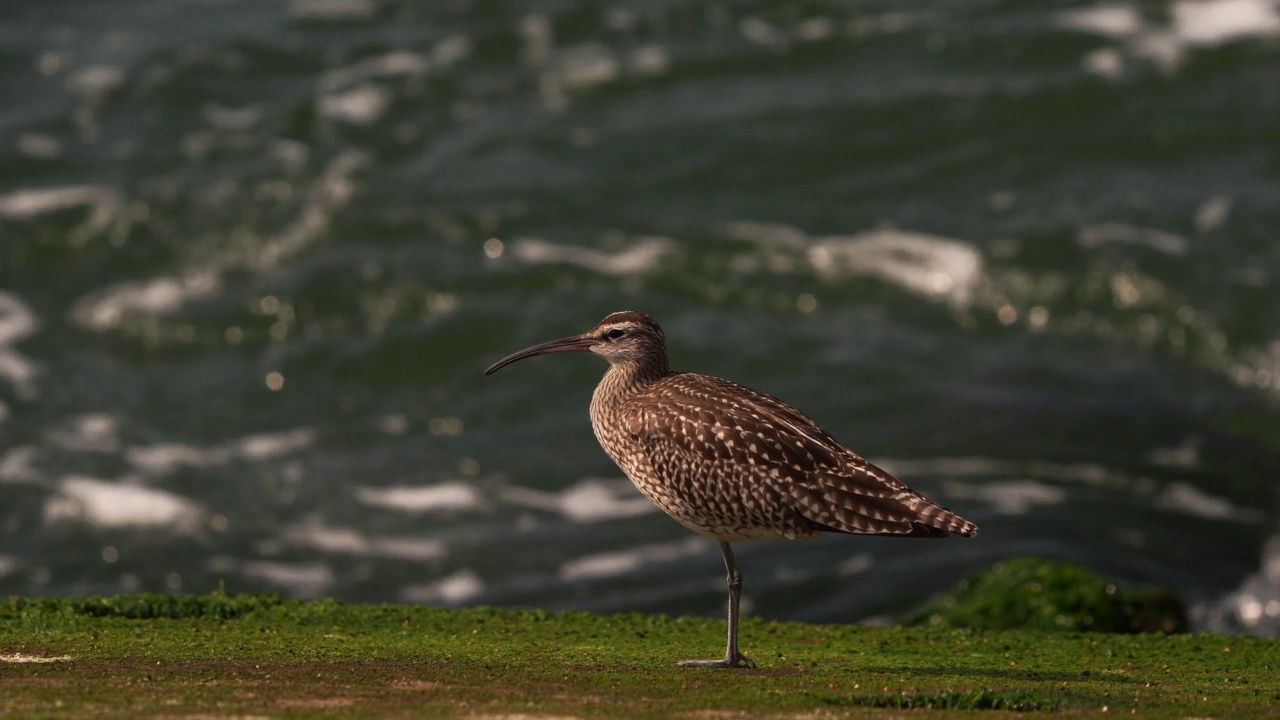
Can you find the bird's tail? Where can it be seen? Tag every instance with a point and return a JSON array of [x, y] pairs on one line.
[[940, 518]]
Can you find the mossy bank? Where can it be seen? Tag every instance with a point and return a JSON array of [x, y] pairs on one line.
[[222, 656]]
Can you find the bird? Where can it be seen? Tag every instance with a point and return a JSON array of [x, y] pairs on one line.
[[732, 463]]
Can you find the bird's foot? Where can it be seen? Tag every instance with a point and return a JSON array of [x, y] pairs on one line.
[[731, 661]]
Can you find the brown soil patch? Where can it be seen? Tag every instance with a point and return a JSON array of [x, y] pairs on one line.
[[329, 702], [405, 684]]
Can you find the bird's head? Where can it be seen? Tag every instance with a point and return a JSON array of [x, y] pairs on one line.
[[626, 337]]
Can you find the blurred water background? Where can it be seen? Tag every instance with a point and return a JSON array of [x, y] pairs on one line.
[[255, 254]]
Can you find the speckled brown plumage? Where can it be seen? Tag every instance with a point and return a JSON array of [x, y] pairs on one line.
[[730, 462], [736, 464]]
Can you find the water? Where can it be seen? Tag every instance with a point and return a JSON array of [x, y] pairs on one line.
[[255, 255]]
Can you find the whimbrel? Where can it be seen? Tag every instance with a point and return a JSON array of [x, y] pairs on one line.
[[732, 463]]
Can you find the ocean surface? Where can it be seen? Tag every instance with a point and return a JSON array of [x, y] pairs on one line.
[[255, 255]]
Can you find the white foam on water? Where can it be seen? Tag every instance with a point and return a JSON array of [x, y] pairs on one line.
[[164, 458], [594, 501], [1189, 499], [1258, 367], [19, 371], [167, 457], [1192, 24], [569, 69], [1115, 232], [937, 268], [145, 300], [107, 504], [306, 579], [1012, 497], [586, 501], [1086, 473], [1213, 213], [270, 445], [361, 105], [328, 539], [536, 38], [769, 236], [641, 256], [586, 66], [392, 64], [1021, 495], [348, 541], [1214, 22], [612, 564], [815, 29], [649, 60], [1120, 20], [17, 319], [90, 432], [458, 588], [1105, 62], [95, 80], [856, 564], [104, 204], [1254, 607], [330, 192], [39, 146], [444, 497], [409, 548], [16, 465]]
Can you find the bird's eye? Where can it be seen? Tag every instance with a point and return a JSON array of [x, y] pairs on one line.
[[614, 334]]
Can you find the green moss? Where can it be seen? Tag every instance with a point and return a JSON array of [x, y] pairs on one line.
[[145, 606], [1019, 701], [222, 656], [1035, 594]]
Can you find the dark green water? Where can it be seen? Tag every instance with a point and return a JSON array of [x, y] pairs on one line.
[[255, 255]]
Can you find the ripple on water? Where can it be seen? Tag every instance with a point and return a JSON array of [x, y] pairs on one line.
[[165, 458], [585, 501], [937, 268], [121, 504], [640, 255], [137, 302], [610, 564], [455, 589], [1190, 24], [17, 322], [304, 579], [350, 541], [443, 497]]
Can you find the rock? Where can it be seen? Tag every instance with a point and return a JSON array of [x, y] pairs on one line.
[[1033, 593]]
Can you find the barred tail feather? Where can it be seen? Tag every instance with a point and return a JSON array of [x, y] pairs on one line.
[[940, 518]]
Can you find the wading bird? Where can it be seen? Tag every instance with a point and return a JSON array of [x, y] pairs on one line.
[[732, 463]]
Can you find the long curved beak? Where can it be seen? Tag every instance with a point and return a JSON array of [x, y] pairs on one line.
[[577, 343]]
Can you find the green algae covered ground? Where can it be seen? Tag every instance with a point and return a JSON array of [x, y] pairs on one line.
[[221, 656]]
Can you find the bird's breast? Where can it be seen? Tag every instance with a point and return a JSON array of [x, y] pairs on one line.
[[702, 491]]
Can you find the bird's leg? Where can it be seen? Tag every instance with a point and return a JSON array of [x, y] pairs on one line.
[[732, 658]]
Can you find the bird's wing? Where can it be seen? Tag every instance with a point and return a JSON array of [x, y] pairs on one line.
[[688, 420]]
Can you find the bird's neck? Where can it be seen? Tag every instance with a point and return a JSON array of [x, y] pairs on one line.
[[625, 379]]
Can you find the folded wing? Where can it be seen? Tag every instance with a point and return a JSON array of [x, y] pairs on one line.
[[773, 462]]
